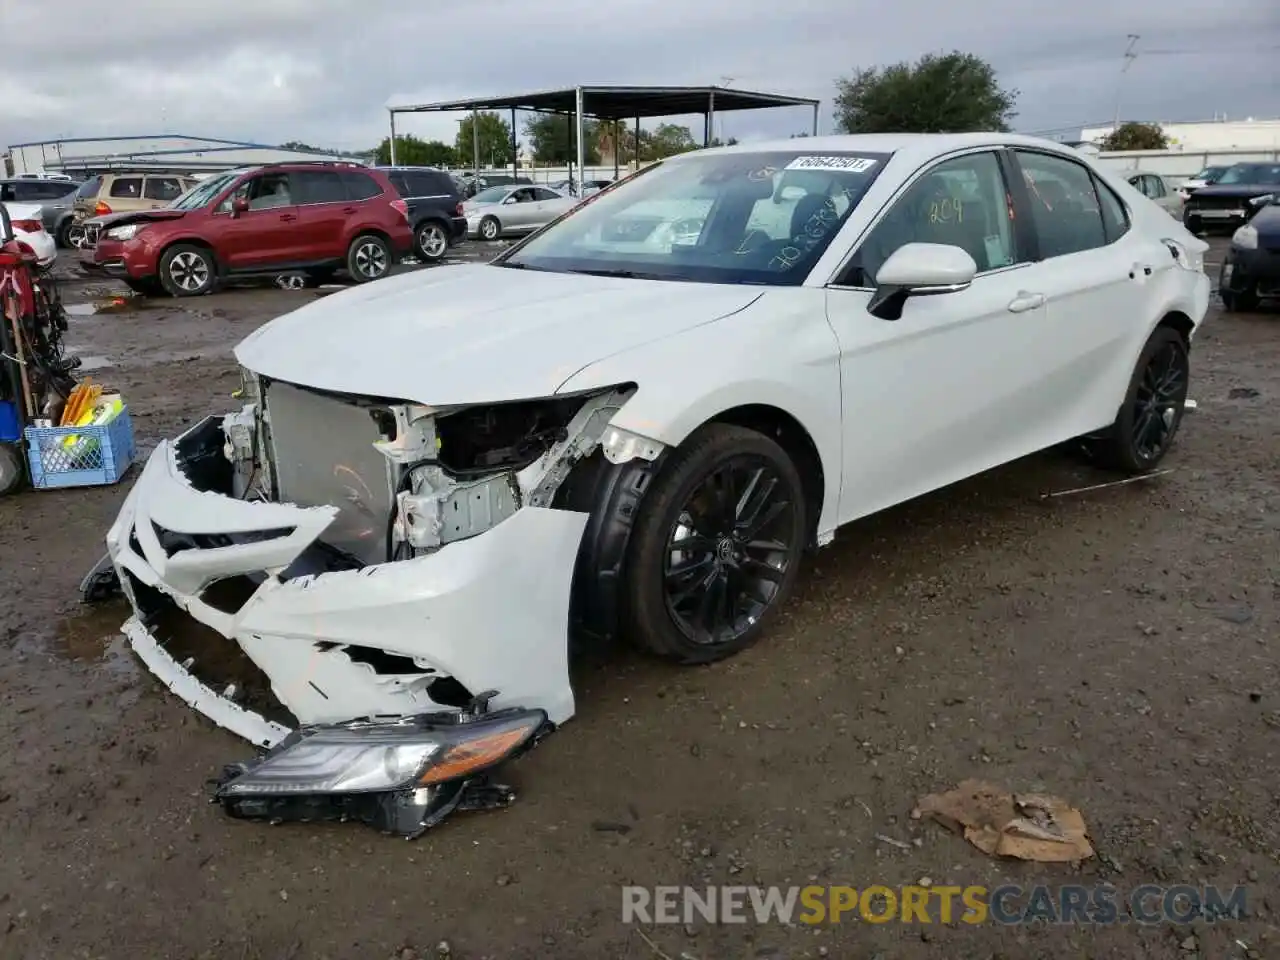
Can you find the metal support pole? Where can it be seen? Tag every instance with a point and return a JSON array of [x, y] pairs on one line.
[[637, 146], [515, 147], [815, 119], [711, 116], [617, 146], [392, 114], [475, 140], [568, 130], [582, 146]]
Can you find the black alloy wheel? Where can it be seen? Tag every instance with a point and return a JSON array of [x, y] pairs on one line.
[[1153, 408], [717, 545]]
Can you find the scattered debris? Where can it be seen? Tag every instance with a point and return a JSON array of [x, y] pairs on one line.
[[1027, 826], [1103, 486], [1243, 393], [901, 845]]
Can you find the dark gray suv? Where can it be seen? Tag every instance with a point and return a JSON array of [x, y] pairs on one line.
[[435, 209], [55, 196]]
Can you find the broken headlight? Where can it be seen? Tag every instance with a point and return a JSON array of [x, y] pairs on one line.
[[401, 775]]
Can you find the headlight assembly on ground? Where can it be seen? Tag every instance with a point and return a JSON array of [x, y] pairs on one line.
[[401, 775]]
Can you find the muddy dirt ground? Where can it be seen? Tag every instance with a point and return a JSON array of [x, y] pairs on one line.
[[1116, 647]]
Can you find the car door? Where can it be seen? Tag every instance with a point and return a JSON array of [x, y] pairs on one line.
[[520, 210], [264, 235], [323, 208], [1097, 274], [955, 385], [550, 204]]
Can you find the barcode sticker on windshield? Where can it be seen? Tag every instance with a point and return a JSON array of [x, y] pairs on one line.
[[841, 164]]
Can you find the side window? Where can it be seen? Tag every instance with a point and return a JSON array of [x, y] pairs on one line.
[[360, 186], [961, 202], [1158, 188], [524, 196], [1064, 206], [269, 191], [1115, 219], [126, 188], [542, 193], [320, 186], [25, 192], [401, 182], [162, 188]]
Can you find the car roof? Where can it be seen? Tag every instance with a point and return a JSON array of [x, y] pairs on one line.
[[919, 147]]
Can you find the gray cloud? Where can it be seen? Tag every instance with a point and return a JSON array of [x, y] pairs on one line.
[[323, 71]]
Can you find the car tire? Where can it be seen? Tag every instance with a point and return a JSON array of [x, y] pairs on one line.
[[188, 270], [368, 258], [747, 546], [1234, 301], [63, 236], [12, 470], [75, 235], [490, 228], [431, 241], [1194, 224], [1153, 407]]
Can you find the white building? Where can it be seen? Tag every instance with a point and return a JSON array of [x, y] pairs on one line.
[[1209, 134], [170, 152]]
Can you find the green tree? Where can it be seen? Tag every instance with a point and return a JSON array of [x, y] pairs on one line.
[[717, 142], [670, 139], [413, 152], [550, 137], [1136, 136], [495, 141], [939, 93]]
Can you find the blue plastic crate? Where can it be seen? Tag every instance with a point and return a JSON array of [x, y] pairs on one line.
[[100, 455]]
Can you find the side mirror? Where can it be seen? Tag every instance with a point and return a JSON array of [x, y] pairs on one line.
[[510, 199], [920, 270], [239, 205]]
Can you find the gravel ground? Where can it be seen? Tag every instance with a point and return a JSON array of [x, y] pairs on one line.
[[1117, 648]]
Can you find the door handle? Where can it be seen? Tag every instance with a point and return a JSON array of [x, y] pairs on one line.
[[1025, 301], [1145, 267], [287, 217], [348, 209]]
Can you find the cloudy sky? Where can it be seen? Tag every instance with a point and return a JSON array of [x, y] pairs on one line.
[[323, 71]]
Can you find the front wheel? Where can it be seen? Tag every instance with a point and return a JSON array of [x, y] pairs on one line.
[[490, 228], [431, 241], [368, 258], [187, 270], [75, 236], [716, 548], [1153, 406]]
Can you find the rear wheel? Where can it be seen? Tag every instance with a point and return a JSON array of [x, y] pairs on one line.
[[716, 547], [187, 270], [431, 241], [63, 236], [12, 473], [368, 258], [1153, 407], [1233, 300]]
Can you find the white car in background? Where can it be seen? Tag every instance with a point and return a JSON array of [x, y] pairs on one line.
[[633, 423], [28, 228], [513, 208]]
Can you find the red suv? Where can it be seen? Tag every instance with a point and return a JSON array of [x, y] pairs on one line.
[[309, 218]]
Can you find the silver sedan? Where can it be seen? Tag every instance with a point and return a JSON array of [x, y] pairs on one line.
[[512, 209]]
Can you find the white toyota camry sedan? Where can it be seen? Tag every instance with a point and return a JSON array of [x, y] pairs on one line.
[[633, 423]]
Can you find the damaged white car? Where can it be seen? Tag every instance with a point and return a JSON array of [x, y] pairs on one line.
[[630, 424]]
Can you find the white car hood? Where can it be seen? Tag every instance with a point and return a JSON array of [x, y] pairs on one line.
[[475, 334]]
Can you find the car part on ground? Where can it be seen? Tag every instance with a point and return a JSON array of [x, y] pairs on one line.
[[640, 416]]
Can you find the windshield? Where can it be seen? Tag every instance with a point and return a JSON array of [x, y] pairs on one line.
[[205, 190], [740, 217], [1210, 174], [1251, 173], [492, 195]]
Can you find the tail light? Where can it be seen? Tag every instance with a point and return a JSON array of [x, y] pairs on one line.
[[28, 226], [458, 211], [26, 248], [401, 207], [100, 209]]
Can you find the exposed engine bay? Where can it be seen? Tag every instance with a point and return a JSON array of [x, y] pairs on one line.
[[403, 579]]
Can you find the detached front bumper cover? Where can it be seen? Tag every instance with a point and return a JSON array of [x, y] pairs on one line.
[[399, 775]]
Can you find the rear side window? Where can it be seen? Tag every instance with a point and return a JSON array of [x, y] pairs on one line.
[[162, 188], [429, 184], [319, 186], [542, 193], [1115, 219], [129, 188], [89, 188], [360, 186], [1065, 208]]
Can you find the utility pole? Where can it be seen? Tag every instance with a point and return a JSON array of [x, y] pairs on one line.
[[1129, 57], [475, 139], [724, 82]]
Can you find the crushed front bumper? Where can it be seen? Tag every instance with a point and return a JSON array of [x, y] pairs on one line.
[[487, 613]]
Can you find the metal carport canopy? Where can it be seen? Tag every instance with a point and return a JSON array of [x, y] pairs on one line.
[[613, 103]]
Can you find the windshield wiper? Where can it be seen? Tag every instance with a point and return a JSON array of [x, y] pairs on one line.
[[623, 274]]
